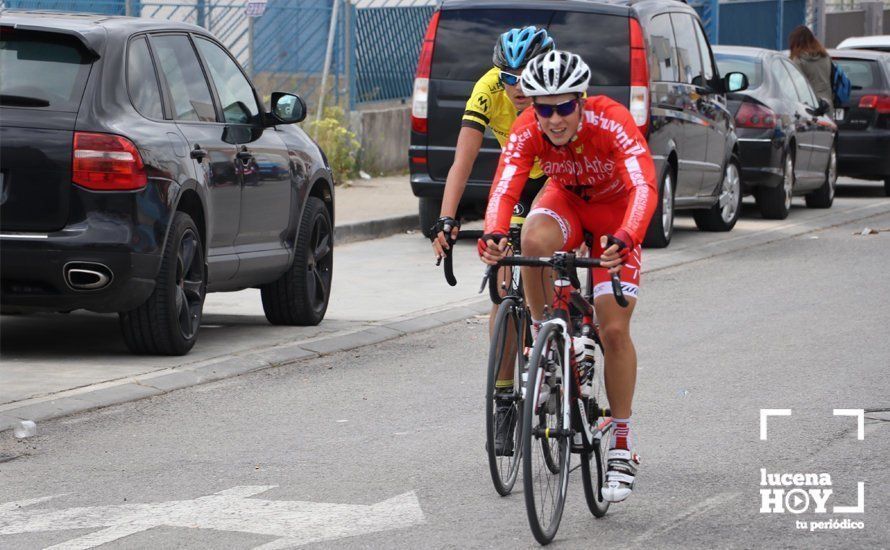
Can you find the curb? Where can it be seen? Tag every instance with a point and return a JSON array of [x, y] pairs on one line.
[[161, 382], [374, 229]]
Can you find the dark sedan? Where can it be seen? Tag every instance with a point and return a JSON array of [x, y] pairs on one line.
[[140, 170], [786, 140], [864, 122]]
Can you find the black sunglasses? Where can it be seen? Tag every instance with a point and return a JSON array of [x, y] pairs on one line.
[[563, 109], [508, 78]]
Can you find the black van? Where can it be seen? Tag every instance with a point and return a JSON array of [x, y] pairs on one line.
[[650, 55]]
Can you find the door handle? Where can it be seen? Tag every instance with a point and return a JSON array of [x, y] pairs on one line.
[[198, 154], [244, 155]]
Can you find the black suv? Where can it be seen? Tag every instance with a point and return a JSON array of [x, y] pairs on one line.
[[650, 55], [140, 171]]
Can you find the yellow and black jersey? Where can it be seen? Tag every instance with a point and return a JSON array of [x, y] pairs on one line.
[[490, 107]]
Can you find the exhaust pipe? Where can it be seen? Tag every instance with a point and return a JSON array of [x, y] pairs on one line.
[[87, 275]]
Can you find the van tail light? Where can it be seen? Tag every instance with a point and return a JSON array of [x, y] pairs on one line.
[[751, 115], [639, 77], [422, 78], [105, 162], [881, 103]]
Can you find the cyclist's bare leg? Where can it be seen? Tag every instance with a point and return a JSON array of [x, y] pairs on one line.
[[620, 354], [541, 236]]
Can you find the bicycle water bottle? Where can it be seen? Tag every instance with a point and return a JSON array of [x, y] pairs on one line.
[[584, 348]]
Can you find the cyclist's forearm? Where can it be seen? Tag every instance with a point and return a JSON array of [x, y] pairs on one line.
[[469, 141], [454, 189]]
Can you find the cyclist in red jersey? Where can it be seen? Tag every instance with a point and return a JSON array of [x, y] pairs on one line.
[[602, 180]]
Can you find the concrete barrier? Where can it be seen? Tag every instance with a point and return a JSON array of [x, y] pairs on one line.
[[384, 135]]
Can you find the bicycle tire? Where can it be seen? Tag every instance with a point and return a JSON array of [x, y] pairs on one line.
[[548, 351], [504, 469], [593, 493]]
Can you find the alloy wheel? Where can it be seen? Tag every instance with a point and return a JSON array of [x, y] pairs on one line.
[[667, 206], [788, 181], [729, 194], [189, 284], [320, 263]]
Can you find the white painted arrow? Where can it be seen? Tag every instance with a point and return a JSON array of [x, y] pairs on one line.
[[294, 522]]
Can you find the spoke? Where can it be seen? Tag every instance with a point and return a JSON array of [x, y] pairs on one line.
[[186, 253], [323, 248], [185, 313], [192, 289]]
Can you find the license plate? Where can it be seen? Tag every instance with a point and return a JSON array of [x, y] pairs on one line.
[[838, 114]]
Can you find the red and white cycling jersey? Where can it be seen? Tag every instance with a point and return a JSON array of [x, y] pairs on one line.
[[607, 160]]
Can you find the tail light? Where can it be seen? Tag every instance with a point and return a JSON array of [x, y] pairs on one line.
[[422, 78], [106, 162], [881, 103], [639, 77], [751, 115]]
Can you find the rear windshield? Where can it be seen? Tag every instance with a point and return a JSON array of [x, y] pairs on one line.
[[465, 40], [752, 67], [42, 70], [861, 72]]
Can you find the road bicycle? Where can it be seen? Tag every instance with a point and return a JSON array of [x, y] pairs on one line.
[[563, 404], [510, 337]]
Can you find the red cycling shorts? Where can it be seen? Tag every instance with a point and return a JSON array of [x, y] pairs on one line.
[[575, 216]]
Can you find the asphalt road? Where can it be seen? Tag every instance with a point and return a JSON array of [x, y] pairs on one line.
[[799, 323]]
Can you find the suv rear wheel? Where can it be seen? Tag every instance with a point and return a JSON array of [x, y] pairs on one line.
[[725, 212], [300, 296], [661, 228], [429, 213], [168, 322]]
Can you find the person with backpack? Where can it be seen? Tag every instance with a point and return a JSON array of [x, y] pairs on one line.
[[810, 56]]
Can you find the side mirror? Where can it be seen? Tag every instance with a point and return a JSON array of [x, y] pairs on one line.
[[823, 108], [287, 108], [735, 82]]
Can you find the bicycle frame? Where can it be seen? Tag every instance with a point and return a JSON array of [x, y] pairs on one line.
[[564, 294]]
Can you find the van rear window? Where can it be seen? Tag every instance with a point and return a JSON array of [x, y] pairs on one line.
[[465, 40], [39, 69]]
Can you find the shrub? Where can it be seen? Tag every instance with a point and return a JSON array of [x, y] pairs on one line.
[[332, 134]]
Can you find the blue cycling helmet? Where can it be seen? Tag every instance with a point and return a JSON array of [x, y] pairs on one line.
[[516, 47]]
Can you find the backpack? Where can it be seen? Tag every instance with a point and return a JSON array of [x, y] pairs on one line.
[[840, 85]]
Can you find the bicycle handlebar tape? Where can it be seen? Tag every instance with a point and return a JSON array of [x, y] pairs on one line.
[[449, 264], [617, 291], [493, 285]]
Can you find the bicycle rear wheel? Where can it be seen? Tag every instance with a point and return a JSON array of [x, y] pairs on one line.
[[506, 345], [546, 439]]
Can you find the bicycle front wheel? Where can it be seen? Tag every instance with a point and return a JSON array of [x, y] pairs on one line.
[[593, 464], [503, 405], [546, 435]]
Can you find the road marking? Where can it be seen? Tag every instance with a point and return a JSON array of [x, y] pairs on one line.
[[294, 522], [860, 420]]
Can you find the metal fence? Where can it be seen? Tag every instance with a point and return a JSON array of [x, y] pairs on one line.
[[759, 23], [374, 46]]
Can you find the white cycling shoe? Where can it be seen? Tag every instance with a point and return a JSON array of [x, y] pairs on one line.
[[620, 474]]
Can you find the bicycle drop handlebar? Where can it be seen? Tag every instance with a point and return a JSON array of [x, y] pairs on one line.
[[565, 265]]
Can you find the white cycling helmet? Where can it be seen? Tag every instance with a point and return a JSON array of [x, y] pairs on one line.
[[555, 73]]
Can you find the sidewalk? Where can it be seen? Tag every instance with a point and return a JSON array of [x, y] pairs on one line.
[[374, 208]]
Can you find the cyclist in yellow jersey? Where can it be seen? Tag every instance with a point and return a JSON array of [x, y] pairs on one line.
[[496, 102]]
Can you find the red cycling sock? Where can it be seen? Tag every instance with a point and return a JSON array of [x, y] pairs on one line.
[[621, 433]]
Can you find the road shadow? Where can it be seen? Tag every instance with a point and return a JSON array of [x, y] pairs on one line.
[[96, 336], [861, 190]]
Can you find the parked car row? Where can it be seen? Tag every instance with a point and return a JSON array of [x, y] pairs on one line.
[[719, 126], [139, 170]]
